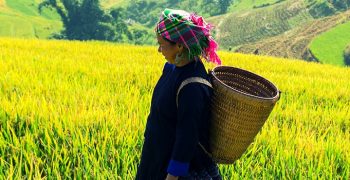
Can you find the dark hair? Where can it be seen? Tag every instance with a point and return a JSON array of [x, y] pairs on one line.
[[171, 42]]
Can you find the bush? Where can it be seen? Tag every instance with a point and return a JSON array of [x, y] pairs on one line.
[[347, 56], [327, 8], [322, 9], [341, 4]]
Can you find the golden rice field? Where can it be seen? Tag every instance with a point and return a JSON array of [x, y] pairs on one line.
[[78, 110]]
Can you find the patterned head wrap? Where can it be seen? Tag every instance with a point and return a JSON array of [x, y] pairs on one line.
[[190, 30]]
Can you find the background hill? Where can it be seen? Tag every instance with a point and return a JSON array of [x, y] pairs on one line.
[[20, 18], [244, 5], [283, 28], [237, 29], [296, 42], [329, 46]]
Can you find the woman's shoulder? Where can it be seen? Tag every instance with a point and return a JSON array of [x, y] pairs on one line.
[[197, 70]]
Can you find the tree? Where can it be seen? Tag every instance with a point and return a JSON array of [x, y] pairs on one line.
[[224, 5], [210, 8], [85, 20]]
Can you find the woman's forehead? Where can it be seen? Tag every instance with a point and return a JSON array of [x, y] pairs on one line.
[[161, 39]]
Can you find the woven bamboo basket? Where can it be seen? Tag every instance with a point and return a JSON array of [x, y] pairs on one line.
[[241, 103]]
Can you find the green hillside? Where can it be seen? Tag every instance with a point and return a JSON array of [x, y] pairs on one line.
[[236, 29], [20, 18], [255, 24], [295, 42], [329, 47], [268, 27], [243, 5], [282, 29]]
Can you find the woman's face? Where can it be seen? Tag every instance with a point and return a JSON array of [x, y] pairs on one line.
[[168, 49]]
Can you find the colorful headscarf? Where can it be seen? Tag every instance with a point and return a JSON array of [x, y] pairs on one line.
[[190, 30]]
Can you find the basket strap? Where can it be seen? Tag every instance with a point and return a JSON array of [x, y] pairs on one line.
[[191, 80], [194, 80]]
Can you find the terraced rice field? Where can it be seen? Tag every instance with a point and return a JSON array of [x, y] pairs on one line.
[[241, 28]]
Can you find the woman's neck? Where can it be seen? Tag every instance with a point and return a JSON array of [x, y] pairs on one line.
[[183, 63]]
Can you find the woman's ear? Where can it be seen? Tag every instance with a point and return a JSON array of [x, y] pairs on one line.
[[180, 47]]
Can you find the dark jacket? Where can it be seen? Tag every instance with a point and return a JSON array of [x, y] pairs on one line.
[[172, 133]]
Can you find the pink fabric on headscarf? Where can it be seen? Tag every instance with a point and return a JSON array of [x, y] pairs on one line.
[[190, 30]]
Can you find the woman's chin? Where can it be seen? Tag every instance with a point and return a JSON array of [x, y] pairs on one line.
[[169, 61]]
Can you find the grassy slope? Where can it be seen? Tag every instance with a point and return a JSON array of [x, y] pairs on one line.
[[329, 46], [284, 29], [79, 109], [294, 43], [236, 29], [20, 18], [236, 5], [243, 5]]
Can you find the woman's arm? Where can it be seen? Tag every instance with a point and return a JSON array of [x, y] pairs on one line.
[[190, 110]]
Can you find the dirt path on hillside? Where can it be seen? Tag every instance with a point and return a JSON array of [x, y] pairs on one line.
[[294, 43], [218, 26]]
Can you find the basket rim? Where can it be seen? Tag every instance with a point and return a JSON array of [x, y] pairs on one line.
[[243, 93]]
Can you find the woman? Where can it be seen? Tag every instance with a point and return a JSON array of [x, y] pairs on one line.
[[177, 127]]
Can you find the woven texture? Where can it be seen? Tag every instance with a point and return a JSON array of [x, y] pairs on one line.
[[241, 103]]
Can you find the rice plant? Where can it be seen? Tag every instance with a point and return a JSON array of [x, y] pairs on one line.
[[78, 110]]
